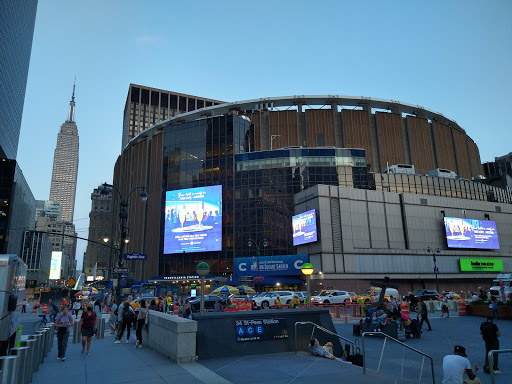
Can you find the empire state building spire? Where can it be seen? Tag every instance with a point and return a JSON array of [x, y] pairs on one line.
[[71, 113], [65, 164]]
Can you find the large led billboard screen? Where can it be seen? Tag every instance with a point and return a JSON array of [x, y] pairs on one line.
[[304, 228], [469, 233], [55, 265], [193, 220]]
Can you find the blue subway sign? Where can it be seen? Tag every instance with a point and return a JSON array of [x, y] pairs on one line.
[[135, 256]]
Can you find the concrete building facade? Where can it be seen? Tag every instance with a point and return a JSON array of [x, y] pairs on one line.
[[100, 226], [37, 253]]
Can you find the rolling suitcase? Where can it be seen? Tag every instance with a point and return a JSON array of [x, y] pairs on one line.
[[356, 329]]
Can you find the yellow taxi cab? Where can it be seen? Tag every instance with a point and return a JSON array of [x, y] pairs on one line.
[[368, 295], [135, 304]]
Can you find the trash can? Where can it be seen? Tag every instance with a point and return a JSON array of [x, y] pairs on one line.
[[22, 371], [31, 364], [8, 367]]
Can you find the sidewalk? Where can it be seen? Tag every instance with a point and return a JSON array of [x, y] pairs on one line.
[[122, 363]]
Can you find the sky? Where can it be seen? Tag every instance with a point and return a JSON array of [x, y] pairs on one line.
[[452, 57]]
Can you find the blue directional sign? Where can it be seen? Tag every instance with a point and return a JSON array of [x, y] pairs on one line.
[[250, 330], [240, 331], [135, 256], [261, 329]]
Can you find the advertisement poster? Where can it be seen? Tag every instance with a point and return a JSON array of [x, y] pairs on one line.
[[304, 228], [264, 329], [481, 265], [469, 233], [193, 220], [55, 265], [284, 265]]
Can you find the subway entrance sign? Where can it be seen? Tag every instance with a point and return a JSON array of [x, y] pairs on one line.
[[480, 265], [263, 329]]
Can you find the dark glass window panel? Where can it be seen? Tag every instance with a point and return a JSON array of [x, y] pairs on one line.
[[183, 103], [164, 100], [191, 104], [208, 103], [135, 95], [144, 98], [200, 104], [154, 98], [174, 101]]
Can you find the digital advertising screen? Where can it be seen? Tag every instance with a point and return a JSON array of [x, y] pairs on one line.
[[193, 220], [471, 234], [304, 228], [55, 265]]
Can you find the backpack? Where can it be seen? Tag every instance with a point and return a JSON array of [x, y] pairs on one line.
[[127, 314]]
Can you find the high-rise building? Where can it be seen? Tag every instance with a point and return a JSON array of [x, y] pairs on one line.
[[17, 19], [65, 164], [48, 208], [100, 225], [37, 253], [147, 106]]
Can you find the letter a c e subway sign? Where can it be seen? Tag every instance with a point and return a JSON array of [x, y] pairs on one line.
[[135, 256]]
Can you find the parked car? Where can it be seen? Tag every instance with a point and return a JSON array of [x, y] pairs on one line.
[[423, 294], [209, 302], [302, 295], [451, 295], [332, 297], [269, 299]]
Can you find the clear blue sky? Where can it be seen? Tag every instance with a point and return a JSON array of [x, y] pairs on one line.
[[452, 57]]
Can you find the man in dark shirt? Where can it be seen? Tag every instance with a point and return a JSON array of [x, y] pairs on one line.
[[54, 310], [490, 334], [424, 315]]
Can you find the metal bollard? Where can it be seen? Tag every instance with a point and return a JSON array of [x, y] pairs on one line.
[[8, 366], [431, 307], [100, 330], [40, 347], [76, 334], [35, 353], [21, 372], [51, 326], [46, 340], [30, 368]]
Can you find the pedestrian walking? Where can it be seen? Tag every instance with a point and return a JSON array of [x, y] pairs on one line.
[[97, 308], [112, 321], [76, 307], [24, 306], [87, 327], [424, 315], [126, 314], [141, 320], [169, 303], [490, 334], [444, 307], [62, 323], [494, 308]]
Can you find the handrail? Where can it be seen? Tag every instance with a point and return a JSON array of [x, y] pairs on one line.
[[491, 360], [315, 326], [403, 345]]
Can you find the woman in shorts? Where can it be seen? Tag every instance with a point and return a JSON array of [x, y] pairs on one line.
[[86, 327]]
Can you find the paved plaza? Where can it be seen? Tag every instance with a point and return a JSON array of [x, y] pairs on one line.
[[122, 363]]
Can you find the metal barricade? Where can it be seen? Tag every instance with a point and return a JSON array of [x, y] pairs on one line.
[[491, 361], [22, 372], [76, 334], [386, 338], [8, 367], [31, 365]]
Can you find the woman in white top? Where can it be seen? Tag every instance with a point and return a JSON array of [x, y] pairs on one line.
[[76, 307]]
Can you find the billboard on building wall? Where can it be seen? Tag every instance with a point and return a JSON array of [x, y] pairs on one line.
[[55, 265], [282, 265], [193, 220], [469, 233], [304, 228]]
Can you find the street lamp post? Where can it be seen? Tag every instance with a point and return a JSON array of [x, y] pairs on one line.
[[250, 243], [123, 216], [202, 270], [436, 271], [308, 269]]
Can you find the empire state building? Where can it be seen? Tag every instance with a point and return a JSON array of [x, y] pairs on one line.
[[65, 164]]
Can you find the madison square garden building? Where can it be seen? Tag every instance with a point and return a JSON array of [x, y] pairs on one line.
[[380, 175]]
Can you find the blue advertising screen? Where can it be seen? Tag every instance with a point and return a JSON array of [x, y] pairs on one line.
[[283, 265], [469, 233], [193, 220], [304, 228]]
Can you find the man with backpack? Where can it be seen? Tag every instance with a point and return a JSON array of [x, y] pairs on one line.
[[126, 317]]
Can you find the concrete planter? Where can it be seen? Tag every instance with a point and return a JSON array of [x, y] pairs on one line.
[[505, 311]]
